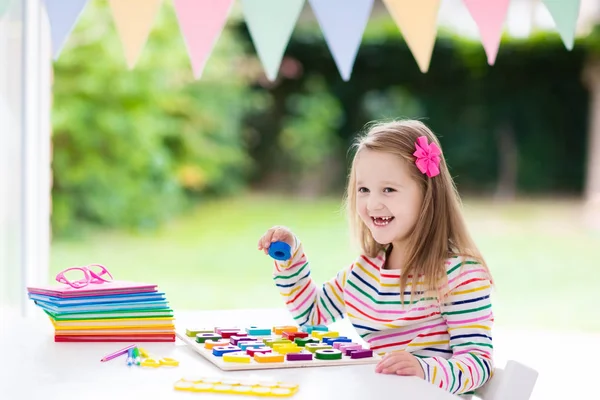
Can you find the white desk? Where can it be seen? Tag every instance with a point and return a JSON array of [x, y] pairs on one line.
[[35, 367]]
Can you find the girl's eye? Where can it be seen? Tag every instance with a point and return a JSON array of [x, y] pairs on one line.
[[389, 190], [363, 190]]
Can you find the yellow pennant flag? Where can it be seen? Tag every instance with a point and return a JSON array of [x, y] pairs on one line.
[[134, 20], [417, 21]]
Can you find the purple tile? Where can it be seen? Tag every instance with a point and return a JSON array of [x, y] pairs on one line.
[[347, 348], [361, 353], [299, 356], [351, 350], [237, 339]]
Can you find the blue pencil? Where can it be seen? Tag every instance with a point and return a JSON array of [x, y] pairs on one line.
[[130, 357]]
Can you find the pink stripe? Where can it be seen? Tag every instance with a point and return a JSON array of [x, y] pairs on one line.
[[320, 315], [298, 263], [306, 300], [472, 379], [476, 369], [467, 376], [468, 321], [445, 371], [388, 311], [472, 271], [277, 266], [403, 333]]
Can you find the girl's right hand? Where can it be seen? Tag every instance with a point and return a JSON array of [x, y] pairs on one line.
[[276, 234]]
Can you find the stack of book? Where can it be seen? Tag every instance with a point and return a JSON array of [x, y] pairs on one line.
[[114, 311]]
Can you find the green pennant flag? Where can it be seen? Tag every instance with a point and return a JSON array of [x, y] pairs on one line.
[[271, 23], [565, 14]]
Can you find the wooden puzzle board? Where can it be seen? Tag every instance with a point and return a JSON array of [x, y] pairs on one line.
[[253, 365]]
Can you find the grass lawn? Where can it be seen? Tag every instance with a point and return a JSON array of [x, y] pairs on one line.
[[545, 264]]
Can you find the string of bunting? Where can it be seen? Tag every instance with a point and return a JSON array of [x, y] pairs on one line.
[[271, 23]]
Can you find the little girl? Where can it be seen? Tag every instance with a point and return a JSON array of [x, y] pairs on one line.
[[420, 290]]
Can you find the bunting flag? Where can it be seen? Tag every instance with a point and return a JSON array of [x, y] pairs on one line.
[[565, 14], [417, 21], [4, 4], [343, 38], [63, 16], [271, 23], [201, 23], [133, 20], [489, 16]]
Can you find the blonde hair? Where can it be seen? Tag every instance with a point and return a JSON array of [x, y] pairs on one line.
[[440, 231]]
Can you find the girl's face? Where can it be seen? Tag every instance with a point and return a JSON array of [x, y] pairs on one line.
[[388, 199]]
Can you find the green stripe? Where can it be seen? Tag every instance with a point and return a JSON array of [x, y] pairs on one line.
[[327, 309], [481, 365], [293, 275], [160, 313], [466, 311], [386, 302], [453, 377], [125, 317], [474, 344], [123, 311], [303, 314], [461, 264]]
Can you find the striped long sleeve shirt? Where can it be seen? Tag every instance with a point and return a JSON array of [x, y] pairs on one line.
[[451, 339]]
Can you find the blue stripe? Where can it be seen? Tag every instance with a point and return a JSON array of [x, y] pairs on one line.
[[483, 361], [295, 283], [470, 336], [308, 315], [485, 364], [438, 350], [366, 328], [377, 291], [331, 301], [460, 374], [454, 303]]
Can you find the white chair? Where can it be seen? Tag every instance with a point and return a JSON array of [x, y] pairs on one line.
[[513, 382]]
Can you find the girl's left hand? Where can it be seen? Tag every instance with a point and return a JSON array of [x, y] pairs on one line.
[[400, 363]]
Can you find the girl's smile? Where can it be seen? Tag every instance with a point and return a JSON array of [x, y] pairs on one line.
[[382, 221]]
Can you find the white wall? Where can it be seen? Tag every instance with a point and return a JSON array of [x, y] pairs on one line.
[[11, 129], [24, 153]]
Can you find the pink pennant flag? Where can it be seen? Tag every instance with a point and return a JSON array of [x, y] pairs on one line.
[[201, 23], [489, 15]]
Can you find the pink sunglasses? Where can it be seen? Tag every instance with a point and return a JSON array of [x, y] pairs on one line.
[[93, 273]]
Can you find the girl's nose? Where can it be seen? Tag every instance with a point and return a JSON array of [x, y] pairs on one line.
[[374, 204]]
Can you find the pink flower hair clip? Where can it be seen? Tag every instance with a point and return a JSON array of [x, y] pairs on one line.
[[428, 157]]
